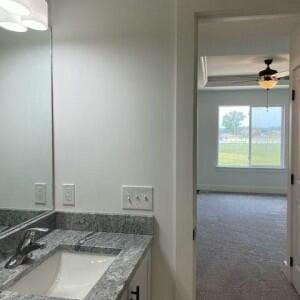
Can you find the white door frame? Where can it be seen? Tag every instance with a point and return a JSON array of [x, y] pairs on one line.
[[287, 263], [288, 270], [236, 16]]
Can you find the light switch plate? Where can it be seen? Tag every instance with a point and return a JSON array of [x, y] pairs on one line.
[[40, 191], [137, 197], [69, 194]]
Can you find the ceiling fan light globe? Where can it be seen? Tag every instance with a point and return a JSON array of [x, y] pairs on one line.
[[268, 83]]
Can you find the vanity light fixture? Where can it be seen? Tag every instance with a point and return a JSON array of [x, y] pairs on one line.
[[38, 19], [17, 7], [11, 22], [19, 15], [35, 25]]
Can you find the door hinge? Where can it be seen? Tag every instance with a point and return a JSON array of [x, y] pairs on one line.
[[194, 234], [291, 261], [136, 293], [293, 95], [292, 179]]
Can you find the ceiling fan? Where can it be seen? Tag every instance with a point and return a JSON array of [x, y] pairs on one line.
[[267, 79]]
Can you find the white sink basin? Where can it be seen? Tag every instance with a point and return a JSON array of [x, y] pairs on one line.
[[65, 275]]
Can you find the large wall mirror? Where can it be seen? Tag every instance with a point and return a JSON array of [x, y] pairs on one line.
[[26, 159]]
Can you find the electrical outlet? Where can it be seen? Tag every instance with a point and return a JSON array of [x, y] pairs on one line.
[[137, 197], [69, 194], [40, 190]]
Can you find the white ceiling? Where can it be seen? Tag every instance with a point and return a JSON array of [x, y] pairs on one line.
[[246, 37], [239, 47], [244, 64]]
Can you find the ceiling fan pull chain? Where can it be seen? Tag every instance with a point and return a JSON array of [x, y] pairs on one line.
[[268, 94]]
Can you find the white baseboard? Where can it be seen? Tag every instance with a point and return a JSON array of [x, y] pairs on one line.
[[242, 189]]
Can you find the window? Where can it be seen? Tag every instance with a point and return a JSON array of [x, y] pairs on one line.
[[250, 136]]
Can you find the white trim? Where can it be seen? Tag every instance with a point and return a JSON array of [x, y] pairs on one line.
[[291, 208], [250, 137], [237, 88], [203, 61], [186, 23], [252, 169], [242, 189], [230, 16]]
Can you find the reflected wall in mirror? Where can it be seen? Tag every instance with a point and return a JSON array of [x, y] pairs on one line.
[[26, 169]]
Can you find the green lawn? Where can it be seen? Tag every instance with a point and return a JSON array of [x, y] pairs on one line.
[[237, 155]]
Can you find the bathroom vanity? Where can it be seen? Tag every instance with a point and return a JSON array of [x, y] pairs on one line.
[[86, 265]]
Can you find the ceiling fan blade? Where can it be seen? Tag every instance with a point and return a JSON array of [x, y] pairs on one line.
[[246, 76], [243, 81], [281, 75], [232, 83]]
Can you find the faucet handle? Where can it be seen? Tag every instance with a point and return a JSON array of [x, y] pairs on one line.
[[37, 230], [30, 232], [29, 236], [42, 245]]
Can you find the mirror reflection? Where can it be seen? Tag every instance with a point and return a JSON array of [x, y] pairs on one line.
[[25, 127]]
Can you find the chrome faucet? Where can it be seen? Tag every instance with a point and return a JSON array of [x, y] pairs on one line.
[[26, 246]]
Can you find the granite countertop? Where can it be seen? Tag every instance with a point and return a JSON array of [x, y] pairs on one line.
[[131, 249]]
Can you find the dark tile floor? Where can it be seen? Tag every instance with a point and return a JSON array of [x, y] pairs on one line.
[[241, 246]]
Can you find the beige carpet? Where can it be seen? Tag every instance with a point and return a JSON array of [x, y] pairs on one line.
[[241, 244]]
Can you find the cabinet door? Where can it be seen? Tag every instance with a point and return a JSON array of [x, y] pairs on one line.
[[124, 295], [140, 285]]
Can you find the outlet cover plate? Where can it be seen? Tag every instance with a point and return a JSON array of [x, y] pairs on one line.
[[40, 190], [69, 194], [137, 197]]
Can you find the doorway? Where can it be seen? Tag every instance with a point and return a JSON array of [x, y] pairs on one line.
[[243, 146]]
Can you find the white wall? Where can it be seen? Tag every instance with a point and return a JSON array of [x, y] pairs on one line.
[[295, 48], [228, 179], [25, 118], [114, 111]]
